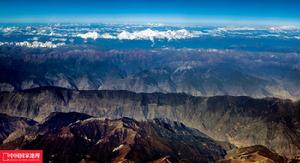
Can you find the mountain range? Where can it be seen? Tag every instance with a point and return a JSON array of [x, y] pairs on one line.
[[119, 140], [123, 140], [241, 121], [151, 93], [199, 72]]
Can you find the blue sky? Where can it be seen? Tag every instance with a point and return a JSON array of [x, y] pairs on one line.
[[152, 11]]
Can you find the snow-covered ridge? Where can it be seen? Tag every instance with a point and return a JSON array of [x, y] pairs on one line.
[[147, 34], [271, 28], [92, 35], [95, 35], [226, 29], [68, 33], [284, 28], [34, 44]]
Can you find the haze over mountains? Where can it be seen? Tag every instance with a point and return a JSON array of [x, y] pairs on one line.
[[201, 72]]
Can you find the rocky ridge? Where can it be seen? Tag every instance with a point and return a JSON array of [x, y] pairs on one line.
[[242, 121], [84, 138]]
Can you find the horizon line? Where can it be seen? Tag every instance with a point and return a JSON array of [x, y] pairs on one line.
[[150, 20]]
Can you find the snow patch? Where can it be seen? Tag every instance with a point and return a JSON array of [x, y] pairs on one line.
[[9, 29], [107, 36], [150, 34], [284, 28], [297, 37], [147, 34], [118, 147], [34, 44], [225, 29], [183, 68], [93, 35]]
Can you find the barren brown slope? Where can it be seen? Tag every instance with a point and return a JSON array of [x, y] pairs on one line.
[[250, 154], [120, 140]]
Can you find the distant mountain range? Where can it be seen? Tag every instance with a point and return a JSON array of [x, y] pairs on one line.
[[145, 36], [201, 72], [241, 121]]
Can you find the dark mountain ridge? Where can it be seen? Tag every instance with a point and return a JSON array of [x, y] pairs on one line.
[[242, 121], [79, 137]]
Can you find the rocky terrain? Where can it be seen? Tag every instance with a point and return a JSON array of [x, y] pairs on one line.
[[203, 72], [242, 121], [13, 126], [255, 153], [78, 137]]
